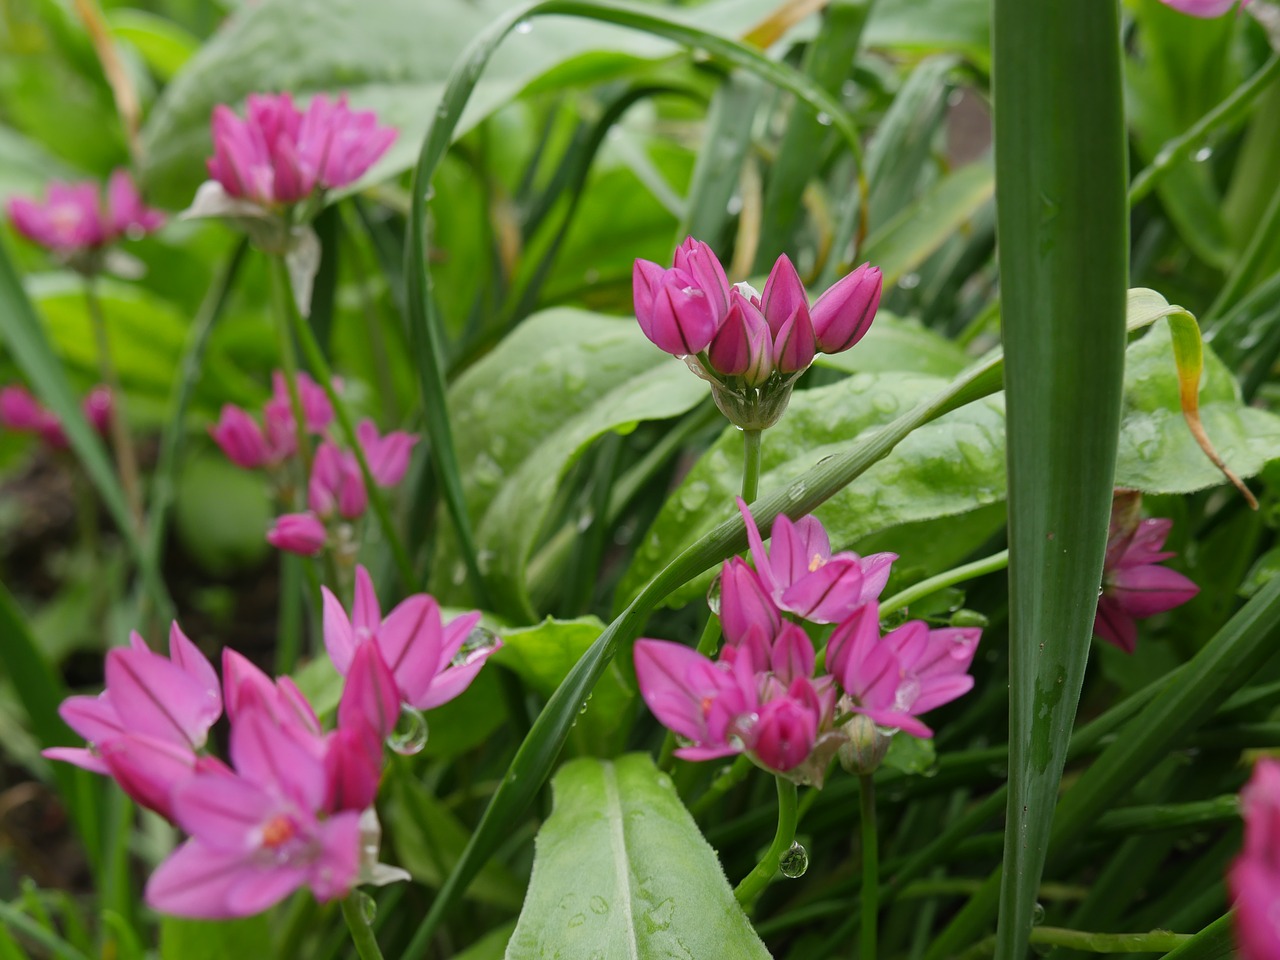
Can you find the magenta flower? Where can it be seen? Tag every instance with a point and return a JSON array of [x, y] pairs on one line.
[[317, 411], [1134, 584], [1204, 9], [74, 220], [802, 575], [909, 671], [336, 483], [146, 727], [23, 413], [278, 155], [387, 456], [301, 533], [1254, 878], [843, 314], [429, 660], [241, 439], [259, 834]]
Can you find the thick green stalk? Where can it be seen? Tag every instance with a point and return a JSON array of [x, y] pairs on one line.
[[753, 883], [361, 933], [751, 464], [1061, 153], [869, 895]]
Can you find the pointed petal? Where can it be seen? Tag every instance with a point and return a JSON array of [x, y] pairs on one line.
[[154, 697], [366, 614], [758, 555], [793, 656], [277, 759], [744, 603], [224, 812], [369, 697], [827, 595], [1150, 589], [193, 663], [339, 637], [410, 640]]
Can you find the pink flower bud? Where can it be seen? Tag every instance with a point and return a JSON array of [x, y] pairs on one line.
[[20, 411], [300, 533], [784, 734], [742, 346], [98, 407], [674, 312], [783, 295], [240, 438], [73, 219], [699, 261], [387, 456], [336, 483], [842, 315]]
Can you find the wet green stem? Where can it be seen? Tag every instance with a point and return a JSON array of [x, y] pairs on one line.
[[750, 464], [282, 304], [361, 933], [904, 598], [121, 439], [755, 882], [870, 893]]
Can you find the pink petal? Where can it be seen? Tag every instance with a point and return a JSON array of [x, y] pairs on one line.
[[77, 756], [154, 697], [334, 872], [759, 557], [410, 639], [199, 881], [193, 663], [745, 603], [1147, 590], [827, 595], [793, 655], [366, 614], [339, 637], [369, 697], [223, 812], [277, 758], [148, 769]]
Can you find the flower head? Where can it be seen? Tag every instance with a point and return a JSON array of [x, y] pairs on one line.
[[1204, 9], [73, 219], [1134, 583], [23, 413], [301, 533], [1254, 878]]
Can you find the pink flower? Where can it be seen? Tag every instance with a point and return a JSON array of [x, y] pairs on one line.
[[1204, 8], [428, 659], [23, 413], [279, 155], [387, 456], [241, 439], [1254, 878], [317, 411], [843, 314], [99, 408], [802, 575], [336, 483], [259, 834], [146, 727], [909, 671], [1134, 584], [300, 533], [73, 218]]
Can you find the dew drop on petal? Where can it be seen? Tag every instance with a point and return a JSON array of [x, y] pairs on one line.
[[794, 862], [410, 733], [479, 641]]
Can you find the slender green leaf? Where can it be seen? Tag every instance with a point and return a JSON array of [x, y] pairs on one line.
[[492, 946], [1062, 217], [621, 870], [1214, 942]]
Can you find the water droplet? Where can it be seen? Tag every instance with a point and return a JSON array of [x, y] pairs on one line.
[[577, 920], [1203, 154], [524, 27], [583, 709], [481, 640], [713, 595], [1037, 914], [410, 733], [794, 862], [909, 281], [734, 206], [848, 88], [824, 119], [368, 908], [599, 905], [695, 495]]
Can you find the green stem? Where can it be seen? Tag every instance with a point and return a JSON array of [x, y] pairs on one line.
[[755, 882], [283, 305], [750, 464], [361, 933], [870, 893], [1159, 941], [121, 439], [904, 598], [1243, 274]]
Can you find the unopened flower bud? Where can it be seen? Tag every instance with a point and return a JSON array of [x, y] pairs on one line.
[[866, 747]]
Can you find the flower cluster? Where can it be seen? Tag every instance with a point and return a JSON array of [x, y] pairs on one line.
[[760, 695], [1134, 584], [294, 807], [75, 223], [750, 346], [1205, 9], [336, 491], [23, 413], [1255, 876]]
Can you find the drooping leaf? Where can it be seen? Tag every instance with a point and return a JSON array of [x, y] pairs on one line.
[[622, 871]]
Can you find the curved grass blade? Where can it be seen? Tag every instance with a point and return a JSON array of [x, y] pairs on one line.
[[424, 324], [1061, 162], [22, 332]]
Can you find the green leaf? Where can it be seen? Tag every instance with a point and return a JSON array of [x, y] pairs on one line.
[[221, 515], [963, 26], [492, 946], [1157, 453], [164, 45], [182, 939], [543, 656], [622, 871], [951, 466], [529, 409], [911, 755]]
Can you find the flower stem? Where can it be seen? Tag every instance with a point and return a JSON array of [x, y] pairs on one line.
[[282, 302], [750, 464], [755, 882], [903, 599], [121, 440], [361, 933], [870, 894]]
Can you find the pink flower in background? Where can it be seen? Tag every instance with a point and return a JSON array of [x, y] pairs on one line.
[[317, 411], [301, 533], [336, 483], [909, 671], [387, 456], [429, 660], [802, 575], [278, 155], [241, 439], [1204, 8], [73, 219], [1254, 878], [1134, 584], [23, 413]]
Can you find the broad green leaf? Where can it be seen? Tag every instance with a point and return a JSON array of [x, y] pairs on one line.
[[164, 45], [621, 870], [527, 411], [1157, 452], [951, 466], [543, 656], [221, 515], [963, 26], [182, 939], [897, 345]]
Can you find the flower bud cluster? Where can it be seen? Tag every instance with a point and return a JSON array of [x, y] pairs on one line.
[[23, 413], [750, 346], [294, 807], [336, 492], [760, 695]]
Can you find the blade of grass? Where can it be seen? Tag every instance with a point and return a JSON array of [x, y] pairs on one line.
[[23, 333], [424, 324], [1061, 155]]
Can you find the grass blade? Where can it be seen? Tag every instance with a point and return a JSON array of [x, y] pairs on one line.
[[1061, 177]]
